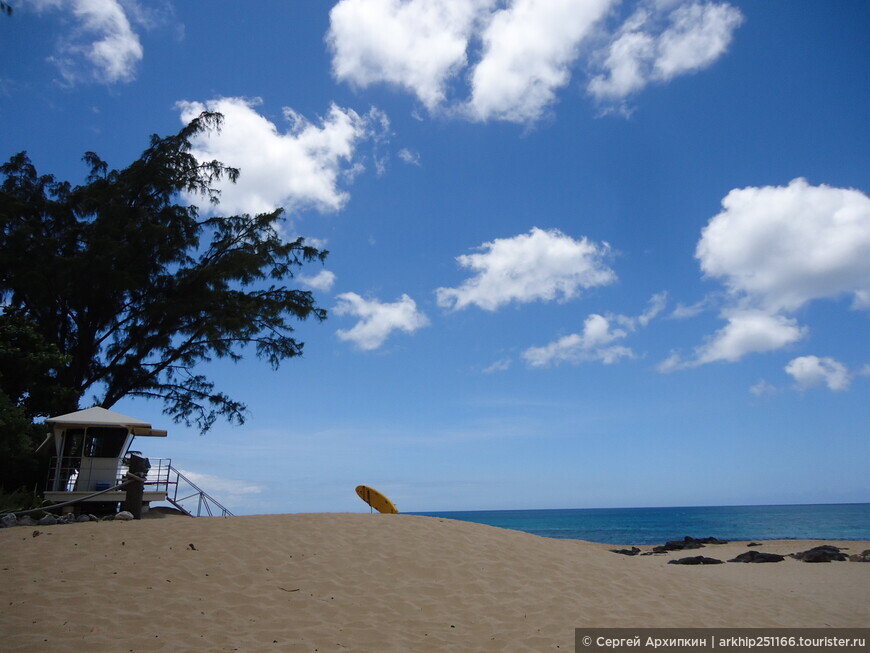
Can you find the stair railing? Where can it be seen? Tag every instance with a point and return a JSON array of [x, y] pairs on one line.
[[204, 501]]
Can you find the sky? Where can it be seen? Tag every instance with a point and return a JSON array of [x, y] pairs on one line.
[[583, 253]]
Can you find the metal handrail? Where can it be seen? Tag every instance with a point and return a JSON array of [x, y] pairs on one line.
[[67, 472], [204, 499], [161, 477]]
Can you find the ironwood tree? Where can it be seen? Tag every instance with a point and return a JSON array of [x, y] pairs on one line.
[[135, 288], [28, 389]]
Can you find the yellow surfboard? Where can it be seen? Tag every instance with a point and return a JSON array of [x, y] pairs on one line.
[[375, 499]]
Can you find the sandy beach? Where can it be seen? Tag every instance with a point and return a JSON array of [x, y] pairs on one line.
[[360, 582]]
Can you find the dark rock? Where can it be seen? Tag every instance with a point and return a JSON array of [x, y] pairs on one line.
[[687, 543], [633, 551], [824, 553], [678, 545], [654, 553], [83, 518], [864, 556], [753, 544], [758, 556], [124, 515], [47, 520], [26, 520], [695, 560], [7, 521]]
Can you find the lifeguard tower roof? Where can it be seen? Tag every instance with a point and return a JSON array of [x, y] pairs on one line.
[[97, 416]]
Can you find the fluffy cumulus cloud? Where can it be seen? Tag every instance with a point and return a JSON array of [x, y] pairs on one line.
[[378, 320], [595, 343], [516, 55], [537, 266], [323, 280], [783, 246], [656, 46], [528, 50], [749, 332], [775, 249], [100, 44], [597, 340], [301, 167], [415, 44], [810, 371]]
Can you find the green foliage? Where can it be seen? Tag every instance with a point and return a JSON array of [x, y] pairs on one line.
[[19, 438], [29, 389], [135, 289], [5, 8], [20, 500], [28, 367]]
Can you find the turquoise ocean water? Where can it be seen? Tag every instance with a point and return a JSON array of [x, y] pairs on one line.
[[849, 521]]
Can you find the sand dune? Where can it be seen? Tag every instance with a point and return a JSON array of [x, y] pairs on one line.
[[360, 582]]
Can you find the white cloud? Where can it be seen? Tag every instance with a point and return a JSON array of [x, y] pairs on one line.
[[655, 306], [626, 62], [528, 50], [101, 45], [673, 362], [783, 246], [749, 332], [501, 365], [323, 280], [594, 344], [809, 371], [415, 44], [777, 248], [220, 486], [300, 168], [763, 389], [378, 320], [540, 265], [683, 312], [409, 157], [650, 47], [699, 34]]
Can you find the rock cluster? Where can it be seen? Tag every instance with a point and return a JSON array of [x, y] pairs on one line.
[[10, 519], [758, 556], [687, 543], [695, 560], [633, 551], [824, 553], [864, 556]]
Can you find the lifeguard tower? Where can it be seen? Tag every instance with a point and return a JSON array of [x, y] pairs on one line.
[[92, 449]]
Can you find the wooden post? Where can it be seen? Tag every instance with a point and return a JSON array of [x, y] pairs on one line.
[[135, 491]]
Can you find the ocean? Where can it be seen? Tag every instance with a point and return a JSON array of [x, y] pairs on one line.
[[848, 521]]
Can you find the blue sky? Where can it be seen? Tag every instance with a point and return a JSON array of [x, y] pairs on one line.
[[582, 253]]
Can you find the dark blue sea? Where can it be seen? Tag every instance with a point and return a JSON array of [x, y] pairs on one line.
[[847, 521]]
